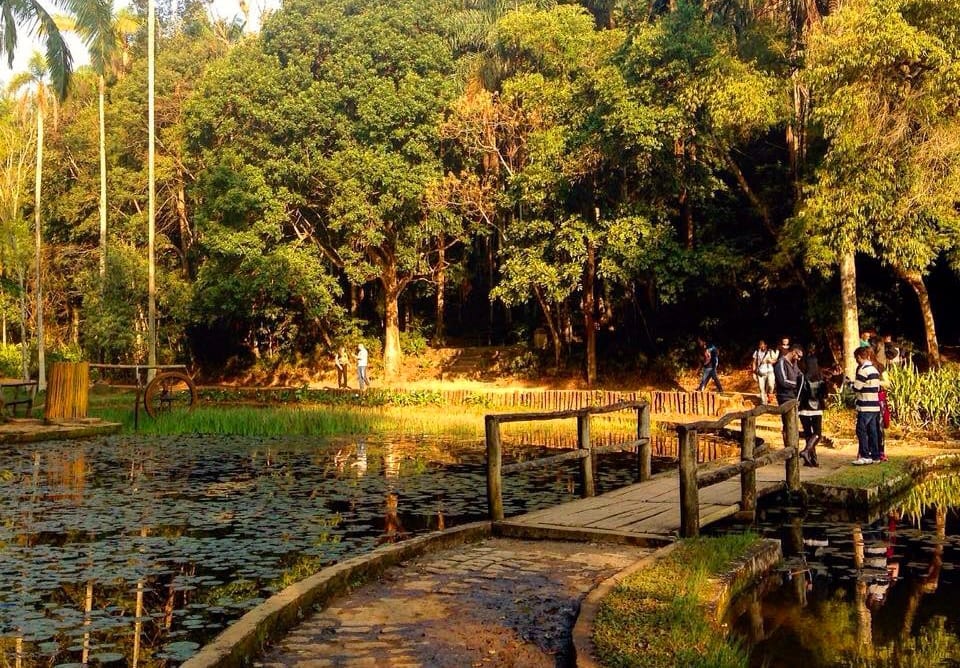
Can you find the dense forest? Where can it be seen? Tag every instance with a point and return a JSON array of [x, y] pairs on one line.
[[619, 176]]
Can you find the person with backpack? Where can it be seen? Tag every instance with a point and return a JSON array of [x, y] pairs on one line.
[[711, 362], [813, 394], [763, 361]]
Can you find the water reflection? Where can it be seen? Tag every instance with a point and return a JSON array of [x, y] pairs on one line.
[[133, 551], [854, 593]]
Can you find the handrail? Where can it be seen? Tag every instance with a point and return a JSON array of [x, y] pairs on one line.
[[584, 452], [691, 482]]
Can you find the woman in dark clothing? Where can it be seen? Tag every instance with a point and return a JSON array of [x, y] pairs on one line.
[[813, 393]]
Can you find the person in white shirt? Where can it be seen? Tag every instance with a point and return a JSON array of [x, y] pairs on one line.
[[362, 367], [763, 361]]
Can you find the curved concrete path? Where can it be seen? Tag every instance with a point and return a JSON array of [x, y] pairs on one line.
[[499, 602]]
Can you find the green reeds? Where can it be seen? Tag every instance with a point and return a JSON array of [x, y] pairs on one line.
[[927, 400], [299, 421], [315, 420]]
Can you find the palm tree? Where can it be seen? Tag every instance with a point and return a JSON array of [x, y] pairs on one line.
[[33, 14], [152, 190], [34, 81], [106, 37]]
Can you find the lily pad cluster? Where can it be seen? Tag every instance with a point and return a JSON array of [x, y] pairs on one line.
[[148, 546]]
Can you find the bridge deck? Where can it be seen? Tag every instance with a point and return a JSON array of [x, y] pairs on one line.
[[646, 512]]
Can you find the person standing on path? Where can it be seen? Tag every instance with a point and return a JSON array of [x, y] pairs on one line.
[[763, 361], [786, 373], [362, 358], [813, 394], [711, 362], [340, 360], [867, 388]]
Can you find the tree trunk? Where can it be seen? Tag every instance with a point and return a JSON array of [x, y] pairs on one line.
[[103, 187], [151, 192], [392, 288], [915, 280], [851, 316], [551, 326], [38, 184], [589, 322], [440, 278], [185, 235]]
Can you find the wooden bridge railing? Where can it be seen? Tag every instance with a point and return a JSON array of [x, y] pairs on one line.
[[691, 482], [584, 452]]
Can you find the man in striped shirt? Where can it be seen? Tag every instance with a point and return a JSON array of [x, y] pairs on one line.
[[867, 388]]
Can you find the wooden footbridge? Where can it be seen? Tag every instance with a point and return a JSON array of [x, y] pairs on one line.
[[657, 509]]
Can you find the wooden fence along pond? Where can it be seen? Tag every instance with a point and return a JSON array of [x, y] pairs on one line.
[[649, 516]]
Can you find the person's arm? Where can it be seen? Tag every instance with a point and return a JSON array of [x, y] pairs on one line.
[[778, 374]]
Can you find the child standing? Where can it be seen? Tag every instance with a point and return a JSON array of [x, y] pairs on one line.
[[867, 388]]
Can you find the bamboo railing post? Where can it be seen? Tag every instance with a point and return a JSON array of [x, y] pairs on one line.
[[586, 463], [792, 440], [645, 448], [748, 479], [494, 462], [689, 494]]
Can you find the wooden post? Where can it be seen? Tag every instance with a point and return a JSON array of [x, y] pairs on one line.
[[689, 494], [792, 440], [586, 464], [644, 450], [494, 460], [748, 479]]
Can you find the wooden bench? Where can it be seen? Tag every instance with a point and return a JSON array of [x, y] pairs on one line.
[[15, 392]]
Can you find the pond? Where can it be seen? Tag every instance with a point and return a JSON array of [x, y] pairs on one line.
[[881, 590], [136, 550]]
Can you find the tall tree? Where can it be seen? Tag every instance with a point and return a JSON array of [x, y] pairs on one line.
[[34, 82], [106, 35], [358, 136], [886, 75], [33, 14]]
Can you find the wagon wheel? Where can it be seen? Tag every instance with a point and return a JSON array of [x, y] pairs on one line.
[[169, 391]]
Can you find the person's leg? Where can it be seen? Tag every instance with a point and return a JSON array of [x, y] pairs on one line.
[[360, 373], [807, 433], [716, 380], [366, 381], [769, 387], [704, 377], [863, 444], [875, 436]]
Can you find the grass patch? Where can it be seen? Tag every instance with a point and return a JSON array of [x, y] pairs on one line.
[[657, 617], [299, 421], [864, 477], [367, 416]]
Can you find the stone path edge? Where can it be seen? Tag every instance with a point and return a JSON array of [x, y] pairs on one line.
[[244, 640], [750, 567]]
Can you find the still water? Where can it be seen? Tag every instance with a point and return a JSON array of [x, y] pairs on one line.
[[135, 550], [879, 590]]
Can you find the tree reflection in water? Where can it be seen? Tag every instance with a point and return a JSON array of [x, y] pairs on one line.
[[132, 551], [861, 593]]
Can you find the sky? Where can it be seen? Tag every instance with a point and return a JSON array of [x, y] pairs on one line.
[[27, 44]]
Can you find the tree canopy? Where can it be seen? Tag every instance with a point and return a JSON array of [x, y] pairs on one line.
[[626, 181]]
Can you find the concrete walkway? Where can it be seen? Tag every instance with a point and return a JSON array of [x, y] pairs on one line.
[[499, 602]]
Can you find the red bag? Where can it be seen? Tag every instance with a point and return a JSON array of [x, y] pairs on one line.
[[884, 408]]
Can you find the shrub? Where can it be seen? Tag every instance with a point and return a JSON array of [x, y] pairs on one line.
[[930, 399], [10, 361], [413, 342]]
